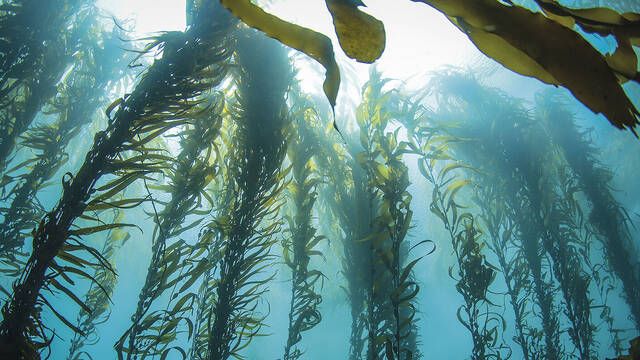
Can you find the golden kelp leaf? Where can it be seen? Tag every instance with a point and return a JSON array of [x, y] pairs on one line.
[[361, 36], [603, 21], [312, 43], [563, 54]]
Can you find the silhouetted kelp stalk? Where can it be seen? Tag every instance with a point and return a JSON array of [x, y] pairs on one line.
[[38, 43], [509, 132], [608, 218], [99, 63], [564, 221], [383, 159], [174, 262], [98, 297], [473, 273], [301, 240], [163, 99], [345, 196], [501, 231], [255, 180]]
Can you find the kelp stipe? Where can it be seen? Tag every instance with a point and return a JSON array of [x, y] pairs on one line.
[[472, 272], [608, 218], [99, 64], [175, 265], [301, 241], [98, 297], [255, 181], [496, 124], [164, 98], [389, 176], [39, 40]]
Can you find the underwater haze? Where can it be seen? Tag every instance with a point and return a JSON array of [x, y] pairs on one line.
[[309, 179]]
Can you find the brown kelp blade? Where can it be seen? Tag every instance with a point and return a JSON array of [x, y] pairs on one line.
[[361, 36], [534, 45], [312, 43]]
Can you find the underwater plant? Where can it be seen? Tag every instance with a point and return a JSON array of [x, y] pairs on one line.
[[301, 243], [174, 263], [99, 64], [38, 43], [164, 98], [497, 124], [254, 179], [99, 294], [472, 272], [608, 218], [389, 176]]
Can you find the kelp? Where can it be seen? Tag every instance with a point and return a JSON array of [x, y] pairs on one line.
[[542, 45], [164, 98], [254, 179], [382, 158], [507, 130], [344, 197], [607, 217], [98, 297], [301, 241], [99, 64], [473, 273], [175, 264], [38, 43]]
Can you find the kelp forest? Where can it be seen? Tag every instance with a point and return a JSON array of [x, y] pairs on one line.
[[191, 194]]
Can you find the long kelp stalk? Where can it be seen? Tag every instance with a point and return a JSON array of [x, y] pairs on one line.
[[163, 99], [493, 123], [346, 196], [501, 231], [472, 272], [607, 216], [170, 263], [255, 180], [301, 244], [372, 244], [38, 43], [98, 297], [99, 63], [189, 175], [565, 248], [390, 177]]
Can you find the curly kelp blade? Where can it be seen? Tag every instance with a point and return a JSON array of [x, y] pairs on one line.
[[312, 43], [534, 45], [361, 36]]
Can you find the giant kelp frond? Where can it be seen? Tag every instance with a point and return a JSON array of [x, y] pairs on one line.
[[164, 98], [301, 243], [38, 43], [175, 264], [254, 181], [607, 217], [472, 272], [389, 176], [79, 96], [98, 297]]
